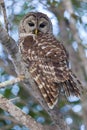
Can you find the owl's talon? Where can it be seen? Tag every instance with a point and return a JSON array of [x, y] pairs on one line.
[[21, 77]]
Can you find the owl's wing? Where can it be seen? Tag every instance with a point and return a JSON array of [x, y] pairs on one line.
[[51, 71], [64, 76], [44, 80]]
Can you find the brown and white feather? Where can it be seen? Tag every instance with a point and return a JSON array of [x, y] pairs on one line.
[[48, 63]]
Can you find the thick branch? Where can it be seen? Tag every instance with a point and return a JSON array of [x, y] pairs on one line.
[[8, 42], [19, 115]]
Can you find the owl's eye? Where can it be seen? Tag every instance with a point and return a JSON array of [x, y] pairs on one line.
[[31, 24], [42, 25]]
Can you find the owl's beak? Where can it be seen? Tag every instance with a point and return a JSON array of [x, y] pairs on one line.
[[36, 31]]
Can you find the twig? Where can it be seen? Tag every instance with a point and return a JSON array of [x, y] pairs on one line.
[[11, 82]]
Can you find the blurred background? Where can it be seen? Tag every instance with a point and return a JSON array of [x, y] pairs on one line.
[[69, 19]]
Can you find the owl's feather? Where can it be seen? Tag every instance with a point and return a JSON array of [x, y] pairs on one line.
[[48, 89], [49, 68]]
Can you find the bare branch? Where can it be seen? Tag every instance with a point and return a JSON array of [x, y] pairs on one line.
[[19, 115], [8, 43], [11, 82]]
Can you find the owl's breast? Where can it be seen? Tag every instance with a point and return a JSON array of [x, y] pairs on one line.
[[26, 45], [42, 47], [46, 47], [28, 42]]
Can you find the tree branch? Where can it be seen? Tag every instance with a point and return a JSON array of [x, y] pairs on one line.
[[8, 42], [11, 82], [19, 115]]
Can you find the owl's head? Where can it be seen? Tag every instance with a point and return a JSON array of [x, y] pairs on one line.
[[34, 23]]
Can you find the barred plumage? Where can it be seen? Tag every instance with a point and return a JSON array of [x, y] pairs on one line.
[[46, 58]]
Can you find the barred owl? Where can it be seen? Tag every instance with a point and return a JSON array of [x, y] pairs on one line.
[[46, 58]]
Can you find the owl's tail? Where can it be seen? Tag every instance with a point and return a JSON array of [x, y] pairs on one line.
[[72, 86]]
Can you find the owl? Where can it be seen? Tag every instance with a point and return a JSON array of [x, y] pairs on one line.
[[46, 58]]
